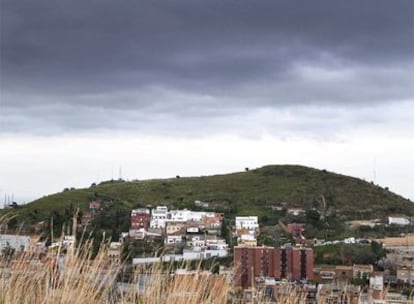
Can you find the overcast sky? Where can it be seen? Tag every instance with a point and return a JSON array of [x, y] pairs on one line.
[[95, 89]]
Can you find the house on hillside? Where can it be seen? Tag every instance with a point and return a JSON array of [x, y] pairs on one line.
[[400, 221], [174, 239], [247, 230], [201, 204], [247, 222], [296, 211], [174, 227], [296, 229], [140, 218], [159, 216], [94, 206], [362, 271], [17, 242]]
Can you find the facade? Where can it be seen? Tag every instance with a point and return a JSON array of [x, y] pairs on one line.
[[332, 293], [293, 263], [376, 286], [174, 227], [137, 234], [193, 230], [196, 241], [189, 215], [247, 222], [17, 242], [401, 221], [140, 218], [405, 275], [195, 221], [341, 273], [201, 204], [344, 273], [173, 239], [295, 211], [362, 271], [159, 216], [114, 251], [213, 221], [252, 262], [302, 263], [247, 240], [188, 255], [247, 229]]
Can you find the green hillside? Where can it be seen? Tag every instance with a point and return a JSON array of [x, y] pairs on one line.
[[249, 192]]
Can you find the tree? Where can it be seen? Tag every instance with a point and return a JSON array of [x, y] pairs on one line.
[[378, 250], [14, 205], [312, 217]]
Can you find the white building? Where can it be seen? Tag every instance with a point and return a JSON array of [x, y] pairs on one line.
[[295, 211], [69, 241], [247, 228], [401, 221], [188, 215], [217, 244], [196, 241], [376, 282], [18, 242], [137, 234], [247, 222], [173, 239], [247, 239], [114, 251], [203, 254], [158, 217], [206, 242], [193, 229]]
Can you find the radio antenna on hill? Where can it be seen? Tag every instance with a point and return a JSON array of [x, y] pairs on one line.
[[375, 169]]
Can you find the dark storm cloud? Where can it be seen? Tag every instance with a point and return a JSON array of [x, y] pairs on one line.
[[65, 60]]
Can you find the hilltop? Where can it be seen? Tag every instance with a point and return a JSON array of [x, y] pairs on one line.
[[249, 192]]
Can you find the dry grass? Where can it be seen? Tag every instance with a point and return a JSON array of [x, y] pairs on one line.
[[71, 276]]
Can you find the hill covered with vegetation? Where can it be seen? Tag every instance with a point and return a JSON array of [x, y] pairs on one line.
[[251, 192]]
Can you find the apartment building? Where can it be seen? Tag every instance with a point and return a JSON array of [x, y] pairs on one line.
[[293, 263]]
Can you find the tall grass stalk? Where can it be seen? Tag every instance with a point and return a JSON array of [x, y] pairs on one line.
[[71, 275]]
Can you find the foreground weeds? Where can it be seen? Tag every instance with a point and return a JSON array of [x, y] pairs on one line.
[[70, 275]]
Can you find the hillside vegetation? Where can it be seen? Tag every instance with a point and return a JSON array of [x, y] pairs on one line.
[[251, 192]]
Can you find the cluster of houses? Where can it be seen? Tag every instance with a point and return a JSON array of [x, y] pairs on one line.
[[399, 264], [197, 233], [174, 225]]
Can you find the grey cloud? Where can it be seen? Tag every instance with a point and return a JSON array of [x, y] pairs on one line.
[[72, 66]]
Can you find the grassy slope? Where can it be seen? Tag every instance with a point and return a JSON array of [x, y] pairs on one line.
[[251, 192]]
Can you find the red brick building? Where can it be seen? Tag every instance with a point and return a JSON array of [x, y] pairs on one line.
[[251, 262], [94, 206], [296, 229], [291, 263], [140, 218], [302, 264]]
